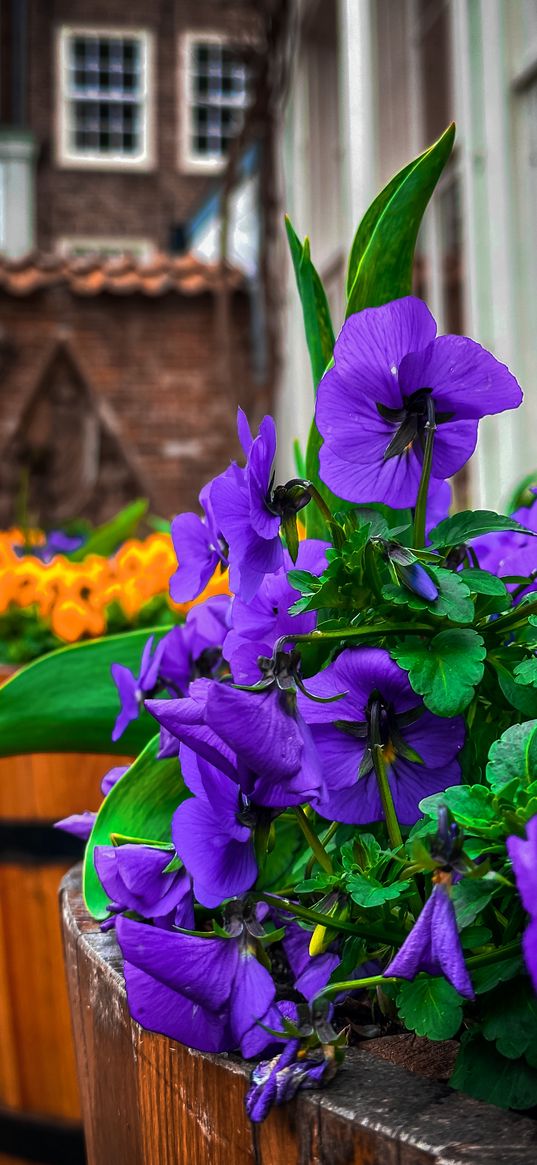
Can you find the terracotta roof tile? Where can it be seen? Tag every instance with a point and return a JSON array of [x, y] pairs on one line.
[[121, 275]]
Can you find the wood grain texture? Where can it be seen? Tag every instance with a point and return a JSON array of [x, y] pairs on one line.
[[147, 1100], [37, 1065]]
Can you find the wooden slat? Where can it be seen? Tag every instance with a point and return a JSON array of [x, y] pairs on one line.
[[44, 787], [162, 1104]]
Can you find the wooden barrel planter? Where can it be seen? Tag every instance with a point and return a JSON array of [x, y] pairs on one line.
[[39, 1098], [147, 1100]]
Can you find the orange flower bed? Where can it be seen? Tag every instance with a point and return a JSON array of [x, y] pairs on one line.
[[74, 598]]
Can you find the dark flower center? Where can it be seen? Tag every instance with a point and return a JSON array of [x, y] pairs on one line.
[[418, 411], [382, 728], [287, 500]]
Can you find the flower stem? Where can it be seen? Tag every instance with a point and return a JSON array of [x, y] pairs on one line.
[[392, 824], [474, 961], [421, 503], [352, 633], [359, 929], [313, 841], [332, 829]]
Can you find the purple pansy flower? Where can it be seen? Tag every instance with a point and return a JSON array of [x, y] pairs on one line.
[[523, 854], [111, 778], [213, 832], [78, 824], [391, 374], [134, 878], [259, 739], [266, 617], [208, 993], [199, 547], [276, 1081], [133, 689], [379, 708], [195, 647], [240, 501], [434, 946]]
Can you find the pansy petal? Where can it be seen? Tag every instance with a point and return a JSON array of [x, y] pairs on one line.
[[159, 1008], [203, 969], [463, 376], [252, 994]]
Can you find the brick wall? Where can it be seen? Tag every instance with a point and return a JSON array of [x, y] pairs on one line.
[[86, 202], [158, 364]]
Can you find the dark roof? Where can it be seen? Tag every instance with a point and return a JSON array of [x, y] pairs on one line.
[[123, 275]]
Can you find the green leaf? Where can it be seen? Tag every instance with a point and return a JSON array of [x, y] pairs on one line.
[[525, 673], [481, 582], [513, 756], [317, 321], [481, 1071], [511, 1020], [470, 896], [445, 669], [430, 1007], [288, 844], [521, 697], [389, 231], [105, 539], [486, 978], [471, 524], [320, 341], [369, 892], [141, 804], [471, 805], [453, 600], [371, 217], [68, 702]]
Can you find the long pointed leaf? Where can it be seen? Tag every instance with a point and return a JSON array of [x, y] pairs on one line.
[[384, 271], [68, 702], [140, 805]]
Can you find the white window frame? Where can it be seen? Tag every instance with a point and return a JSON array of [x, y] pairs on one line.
[[190, 163], [66, 157], [107, 246]]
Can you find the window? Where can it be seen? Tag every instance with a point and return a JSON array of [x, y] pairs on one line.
[[215, 95], [104, 114]]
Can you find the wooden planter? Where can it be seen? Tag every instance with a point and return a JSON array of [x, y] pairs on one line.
[[147, 1100], [39, 1099]]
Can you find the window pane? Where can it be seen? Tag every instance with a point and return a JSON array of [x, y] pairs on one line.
[[104, 83], [219, 93]]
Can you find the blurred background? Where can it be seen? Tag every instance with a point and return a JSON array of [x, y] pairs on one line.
[[148, 153]]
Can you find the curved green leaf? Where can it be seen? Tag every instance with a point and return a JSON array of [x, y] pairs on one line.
[[430, 1007], [105, 539], [472, 524], [384, 271], [371, 217], [140, 805], [67, 701], [514, 756], [445, 669]]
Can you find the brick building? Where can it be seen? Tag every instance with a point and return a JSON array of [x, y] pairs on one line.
[[122, 358]]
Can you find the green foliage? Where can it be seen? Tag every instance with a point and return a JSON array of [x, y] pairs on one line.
[[482, 1071], [445, 669], [368, 891], [469, 524], [453, 602], [66, 701], [383, 250], [105, 539], [514, 756], [430, 1007], [511, 1021], [139, 806]]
